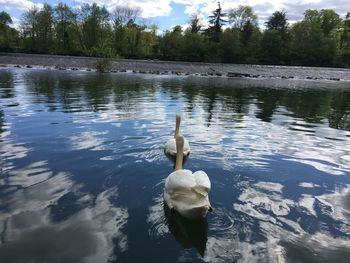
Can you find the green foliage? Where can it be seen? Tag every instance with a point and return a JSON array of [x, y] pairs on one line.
[[95, 25], [45, 29], [65, 29], [272, 47], [29, 29], [278, 21], [195, 25], [103, 65], [310, 46], [193, 46], [322, 38], [250, 42], [216, 22], [230, 46], [5, 19], [328, 19], [242, 15], [344, 45], [8, 36], [170, 44]]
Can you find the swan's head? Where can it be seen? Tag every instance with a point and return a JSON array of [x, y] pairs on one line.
[[178, 117]]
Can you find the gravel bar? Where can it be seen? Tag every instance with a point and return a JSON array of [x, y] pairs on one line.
[[177, 67]]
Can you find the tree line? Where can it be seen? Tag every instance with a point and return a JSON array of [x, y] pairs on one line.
[[321, 38]]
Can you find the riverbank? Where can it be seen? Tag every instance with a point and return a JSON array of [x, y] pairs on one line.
[[176, 67]]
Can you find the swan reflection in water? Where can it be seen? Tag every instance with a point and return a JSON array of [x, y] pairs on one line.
[[188, 232]]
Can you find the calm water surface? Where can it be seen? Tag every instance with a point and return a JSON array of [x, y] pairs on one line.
[[83, 168]]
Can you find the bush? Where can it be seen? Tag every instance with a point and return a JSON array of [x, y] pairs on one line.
[[103, 65]]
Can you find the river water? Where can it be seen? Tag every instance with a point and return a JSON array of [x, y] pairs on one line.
[[83, 168]]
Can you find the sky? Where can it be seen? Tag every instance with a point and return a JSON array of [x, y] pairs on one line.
[[168, 13]]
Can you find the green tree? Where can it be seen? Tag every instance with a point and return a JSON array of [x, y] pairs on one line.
[[230, 46], [345, 40], [96, 29], [195, 25], [133, 39], [272, 47], [328, 19], [309, 46], [121, 16], [149, 42], [278, 21], [193, 46], [277, 51], [45, 29], [5, 19], [6, 33], [250, 41], [242, 16], [245, 20], [170, 44], [65, 29], [216, 22], [29, 29]]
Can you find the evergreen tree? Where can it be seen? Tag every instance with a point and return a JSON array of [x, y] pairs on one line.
[[195, 25], [216, 22], [278, 21], [275, 41]]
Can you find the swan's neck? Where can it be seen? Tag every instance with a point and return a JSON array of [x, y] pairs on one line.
[[177, 127], [179, 160], [179, 152]]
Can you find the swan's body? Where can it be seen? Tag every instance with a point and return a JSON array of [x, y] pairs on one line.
[[170, 146], [187, 192]]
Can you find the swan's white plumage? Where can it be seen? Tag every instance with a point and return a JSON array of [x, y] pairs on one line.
[[170, 147], [187, 193]]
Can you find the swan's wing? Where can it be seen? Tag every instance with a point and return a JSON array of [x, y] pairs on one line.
[[187, 148], [203, 184], [179, 180], [187, 193], [170, 146]]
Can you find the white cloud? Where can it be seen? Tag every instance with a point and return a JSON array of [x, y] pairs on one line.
[[155, 8], [294, 9], [149, 8], [19, 4]]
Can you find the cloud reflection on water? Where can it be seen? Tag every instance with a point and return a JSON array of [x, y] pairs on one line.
[[29, 233], [247, 135]]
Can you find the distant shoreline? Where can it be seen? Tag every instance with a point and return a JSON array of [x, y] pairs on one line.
[[176, 67]]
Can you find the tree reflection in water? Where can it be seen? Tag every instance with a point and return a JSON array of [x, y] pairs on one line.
[[277, 153]]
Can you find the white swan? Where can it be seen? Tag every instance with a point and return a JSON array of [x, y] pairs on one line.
[[170, 146], [187, 192]]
